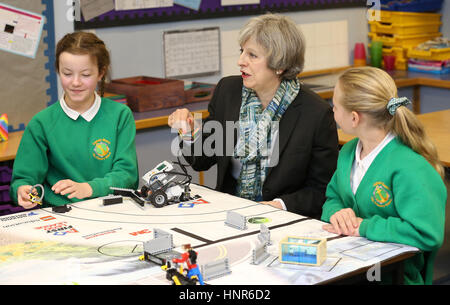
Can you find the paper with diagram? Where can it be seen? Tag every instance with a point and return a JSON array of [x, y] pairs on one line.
[[20, 30]]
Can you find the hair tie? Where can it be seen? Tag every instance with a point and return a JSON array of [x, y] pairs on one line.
[[396, 102]]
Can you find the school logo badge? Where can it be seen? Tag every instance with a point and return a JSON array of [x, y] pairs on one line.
[[381, 195], [101, 149]]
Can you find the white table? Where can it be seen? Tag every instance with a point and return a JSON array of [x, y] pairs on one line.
[[96, 244]]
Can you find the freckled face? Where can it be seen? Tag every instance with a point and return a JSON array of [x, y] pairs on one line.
[[79, 77], [255, 73]]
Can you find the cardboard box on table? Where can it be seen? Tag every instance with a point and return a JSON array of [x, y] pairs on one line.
[[149, 93]]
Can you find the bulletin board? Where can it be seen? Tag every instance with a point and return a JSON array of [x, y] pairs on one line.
[[29, 84], [207, 9]]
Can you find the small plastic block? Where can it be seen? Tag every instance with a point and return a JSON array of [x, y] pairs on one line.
[[259, 254], [236, 220], [112, 200], [61, 209], [215, 269]]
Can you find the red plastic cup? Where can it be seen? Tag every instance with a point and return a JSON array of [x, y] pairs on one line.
[[359, 54], [389, 62]]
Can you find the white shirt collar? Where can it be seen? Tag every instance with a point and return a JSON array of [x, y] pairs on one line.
[[372, 155], [87, 115], [360, 167]]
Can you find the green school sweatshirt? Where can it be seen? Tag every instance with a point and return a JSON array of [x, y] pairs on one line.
[[101, 152], [401, 199]]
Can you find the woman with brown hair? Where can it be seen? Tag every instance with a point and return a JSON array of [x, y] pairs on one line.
[[84, 144]]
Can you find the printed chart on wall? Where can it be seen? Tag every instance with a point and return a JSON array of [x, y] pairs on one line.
[[28, 81], [22, 30], [191, 52]]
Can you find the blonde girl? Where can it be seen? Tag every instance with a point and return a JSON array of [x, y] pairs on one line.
[[388, 185]]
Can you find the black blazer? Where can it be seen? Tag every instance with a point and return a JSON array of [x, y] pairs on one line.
[[308, 149]]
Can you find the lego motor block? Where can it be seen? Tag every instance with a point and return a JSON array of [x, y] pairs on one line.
[[303, 250]]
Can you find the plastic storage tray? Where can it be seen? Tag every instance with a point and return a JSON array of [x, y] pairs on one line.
[[403, 40], [408, 17], [431, 54], [398, 52], [404, 29]]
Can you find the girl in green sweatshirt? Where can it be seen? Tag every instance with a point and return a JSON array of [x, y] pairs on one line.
[[388, 185], [82, 145]]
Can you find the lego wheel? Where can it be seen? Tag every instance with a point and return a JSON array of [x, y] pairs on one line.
[[159, 199]]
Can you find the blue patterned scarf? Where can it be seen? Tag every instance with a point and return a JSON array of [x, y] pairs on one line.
[[255, 136]]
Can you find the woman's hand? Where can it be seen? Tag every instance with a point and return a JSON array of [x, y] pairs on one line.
[[23, 197], [344, 222], [72, 189], [181, 119], [275, 204]]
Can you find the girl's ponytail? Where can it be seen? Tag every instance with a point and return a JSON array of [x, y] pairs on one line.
[[410, 130]]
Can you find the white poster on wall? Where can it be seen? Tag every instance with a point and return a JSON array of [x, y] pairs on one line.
[[20, 30]]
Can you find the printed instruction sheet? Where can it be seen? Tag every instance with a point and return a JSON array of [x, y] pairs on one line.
[[20, 30]]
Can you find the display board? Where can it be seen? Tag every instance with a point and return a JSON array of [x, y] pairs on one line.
[[28, 82], [128, 12]]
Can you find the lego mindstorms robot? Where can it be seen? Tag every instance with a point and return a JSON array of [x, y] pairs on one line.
[[162, 186]]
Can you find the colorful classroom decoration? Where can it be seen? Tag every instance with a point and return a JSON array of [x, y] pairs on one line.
[[3, 127]]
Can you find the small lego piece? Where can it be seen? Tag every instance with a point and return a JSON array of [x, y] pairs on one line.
[[236, 220], [160, 233], [128, 193], [61, 209], [177, 277], [215, 269], [303, 250], [190, 258], [34, 195], [109, 200], [259, 254]]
